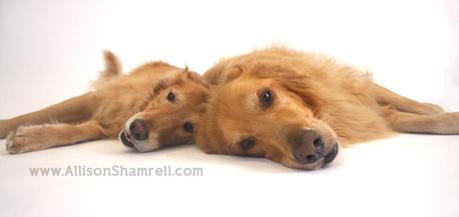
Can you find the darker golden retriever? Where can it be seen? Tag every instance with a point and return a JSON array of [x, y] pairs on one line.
[[155, 105], [295, 108]]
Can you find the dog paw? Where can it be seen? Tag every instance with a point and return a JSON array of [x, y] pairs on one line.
[[24, 139]]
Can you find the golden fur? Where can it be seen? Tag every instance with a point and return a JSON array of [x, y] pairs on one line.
[[312, 97], [111, 108]]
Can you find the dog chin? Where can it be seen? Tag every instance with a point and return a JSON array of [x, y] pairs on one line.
[[291, 163], [145, 148]]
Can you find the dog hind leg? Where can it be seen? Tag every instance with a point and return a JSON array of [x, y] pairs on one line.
[[443, 123], [386, 97]]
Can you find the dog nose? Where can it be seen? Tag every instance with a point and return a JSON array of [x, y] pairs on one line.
[[331, 155], [311, 144], [138, 130]]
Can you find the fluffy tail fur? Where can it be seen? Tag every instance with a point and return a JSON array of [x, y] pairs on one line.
[[112, 70]]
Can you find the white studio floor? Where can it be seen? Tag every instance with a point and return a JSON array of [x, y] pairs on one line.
[[407, 175]]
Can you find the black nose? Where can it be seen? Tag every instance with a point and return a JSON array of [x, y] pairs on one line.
[[331, 155], [188, 127], [311, 144], [139, 130]]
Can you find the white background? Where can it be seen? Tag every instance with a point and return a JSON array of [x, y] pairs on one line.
[[50, 50]]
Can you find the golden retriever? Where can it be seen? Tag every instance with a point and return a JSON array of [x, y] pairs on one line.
[[295, 108], [155, 105]]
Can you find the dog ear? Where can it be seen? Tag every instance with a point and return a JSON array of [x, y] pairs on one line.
[[283, 72], [195, 77], [202, 136], [222, 73], [212, 75], [293, 79], [308, 90], [162, 84]]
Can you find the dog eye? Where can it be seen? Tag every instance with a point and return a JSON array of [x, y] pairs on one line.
[[171, 97], [188, 127], [266, 98], [247, 144]]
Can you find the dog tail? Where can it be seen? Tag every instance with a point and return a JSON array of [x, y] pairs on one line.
[[112, 65], [112, 70]]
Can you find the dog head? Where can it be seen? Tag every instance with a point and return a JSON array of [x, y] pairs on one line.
[[170, 117], [267, 107]]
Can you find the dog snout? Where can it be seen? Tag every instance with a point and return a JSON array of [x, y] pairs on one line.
[[139, 130], [309, 147], [331, 154]]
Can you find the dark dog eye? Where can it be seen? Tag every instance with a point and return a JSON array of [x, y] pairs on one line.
[[266, 98], [171, 97], [247, 144], [188, 127]]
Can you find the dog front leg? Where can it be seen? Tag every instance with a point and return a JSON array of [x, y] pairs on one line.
[[32, 138], [73, 110]]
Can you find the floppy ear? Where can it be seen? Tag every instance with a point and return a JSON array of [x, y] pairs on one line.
[[223, 72], [294, 79], [212, 75], [310, 91], [203, 139], [286, 74], [195, 77], [162, 84], [317, 87]]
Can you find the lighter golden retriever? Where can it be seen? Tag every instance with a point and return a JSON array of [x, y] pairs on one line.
[[295, 108], [155, 105]]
